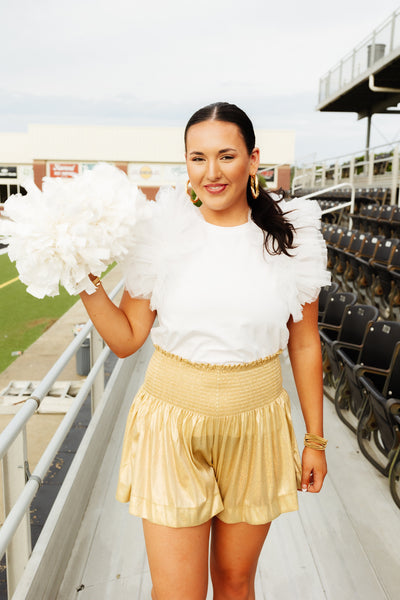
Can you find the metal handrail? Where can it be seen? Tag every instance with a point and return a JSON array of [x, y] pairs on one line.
[[351, 202], [15, 427]]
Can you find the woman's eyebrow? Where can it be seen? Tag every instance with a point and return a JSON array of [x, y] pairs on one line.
[[227, 150], [219, 152]]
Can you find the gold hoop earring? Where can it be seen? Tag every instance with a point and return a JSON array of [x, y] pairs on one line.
[[254, 186], [192, 194]]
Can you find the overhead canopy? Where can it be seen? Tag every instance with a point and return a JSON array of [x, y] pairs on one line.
[[367, 80]]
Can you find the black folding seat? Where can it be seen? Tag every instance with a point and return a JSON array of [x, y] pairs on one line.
[[380, 285], [339, 254], [364, 277], [355, 249], [332, 244], [378, 431], [394, 470], [384, 220], [370, 222], [362, 214], [324, 295], [373, 361], [328, 230], [352, 330], [335, 308], [331, 321], [395, 222]]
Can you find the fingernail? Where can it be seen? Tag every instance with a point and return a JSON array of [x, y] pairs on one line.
[[303, 488]]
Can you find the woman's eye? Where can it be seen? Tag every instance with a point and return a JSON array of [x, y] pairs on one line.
[[227, 157], [197, 159]]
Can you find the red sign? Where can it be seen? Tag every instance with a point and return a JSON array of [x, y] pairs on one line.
[[64, 169], [268, 174]]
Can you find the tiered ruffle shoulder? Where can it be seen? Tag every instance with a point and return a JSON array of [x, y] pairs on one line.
[[306, 266], [165, 238], [176, 228]]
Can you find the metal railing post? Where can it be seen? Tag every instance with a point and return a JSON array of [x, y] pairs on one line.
[[395, 176], [392, 32], [352, 168], [371, 160], [336, 176], [14, 480], [96, 348]]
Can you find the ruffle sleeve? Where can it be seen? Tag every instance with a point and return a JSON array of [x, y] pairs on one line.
[[307, 265], [161, 241]]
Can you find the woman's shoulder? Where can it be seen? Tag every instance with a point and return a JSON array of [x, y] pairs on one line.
[[301, 212], [307, 260]]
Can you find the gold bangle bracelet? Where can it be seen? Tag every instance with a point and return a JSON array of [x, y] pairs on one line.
[[316, 442], [95, 280]]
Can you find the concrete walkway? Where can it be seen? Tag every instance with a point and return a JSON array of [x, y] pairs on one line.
[[343, 544]]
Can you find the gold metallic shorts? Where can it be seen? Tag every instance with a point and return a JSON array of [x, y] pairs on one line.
[[204, 440]]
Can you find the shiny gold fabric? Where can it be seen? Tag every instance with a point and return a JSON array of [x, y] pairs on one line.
[[204, 440]]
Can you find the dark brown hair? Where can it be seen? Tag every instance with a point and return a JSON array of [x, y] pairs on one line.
[[265, 211]]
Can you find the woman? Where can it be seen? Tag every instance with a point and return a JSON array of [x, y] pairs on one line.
[[209, 443]]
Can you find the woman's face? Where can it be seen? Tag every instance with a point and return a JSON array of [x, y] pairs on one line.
[[219, 166]]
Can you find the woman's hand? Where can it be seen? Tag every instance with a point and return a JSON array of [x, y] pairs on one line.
[[314, 470]]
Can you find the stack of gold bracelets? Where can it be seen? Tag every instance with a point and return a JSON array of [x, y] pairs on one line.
[[316, 442]]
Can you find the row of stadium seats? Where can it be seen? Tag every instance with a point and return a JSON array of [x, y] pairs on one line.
[[377, 219], [361, 361], [367, 265]]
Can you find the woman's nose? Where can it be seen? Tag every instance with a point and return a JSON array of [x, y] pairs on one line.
[[213, 170]]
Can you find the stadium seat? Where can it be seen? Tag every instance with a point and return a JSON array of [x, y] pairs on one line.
[[395, 222], [339, 255], [355, 249], [382, 258], [379, 425], [385, 285], [373, 361], [356, 320], [325, 293], [364, 277]]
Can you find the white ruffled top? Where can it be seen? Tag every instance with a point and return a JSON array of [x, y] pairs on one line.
[[220, 297]]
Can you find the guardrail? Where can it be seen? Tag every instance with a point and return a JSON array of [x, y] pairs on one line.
[[349, 204], [19, 485], [377, 167]]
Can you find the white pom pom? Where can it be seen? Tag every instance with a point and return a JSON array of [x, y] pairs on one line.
[[72, 228]]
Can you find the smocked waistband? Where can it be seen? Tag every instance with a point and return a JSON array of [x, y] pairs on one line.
[[209, 389]]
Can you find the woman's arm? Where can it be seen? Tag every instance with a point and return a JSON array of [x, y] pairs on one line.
[[305, 357], [124, 328]]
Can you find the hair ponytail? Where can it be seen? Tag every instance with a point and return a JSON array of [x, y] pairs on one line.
[[265, 211]]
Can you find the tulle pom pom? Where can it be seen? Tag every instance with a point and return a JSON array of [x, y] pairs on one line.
[[72, 228]]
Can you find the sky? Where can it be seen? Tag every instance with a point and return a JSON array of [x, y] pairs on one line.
[[154, 62]]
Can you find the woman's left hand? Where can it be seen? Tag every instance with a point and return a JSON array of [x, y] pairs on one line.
[[314, 470]]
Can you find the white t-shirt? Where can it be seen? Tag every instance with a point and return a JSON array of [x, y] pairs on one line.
[[220, 297]]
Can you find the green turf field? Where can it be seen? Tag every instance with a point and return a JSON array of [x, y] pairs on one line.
[[24, 318]]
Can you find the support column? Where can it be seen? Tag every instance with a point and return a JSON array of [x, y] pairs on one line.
[[39, 171], [283, 179], [368, 142]]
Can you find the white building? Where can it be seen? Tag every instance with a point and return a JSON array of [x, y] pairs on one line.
[[151, 156]]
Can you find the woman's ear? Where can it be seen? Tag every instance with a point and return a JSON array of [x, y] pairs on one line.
[[255, 160]]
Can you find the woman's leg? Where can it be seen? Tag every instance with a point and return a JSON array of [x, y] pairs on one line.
[[178, 559], [235, 549]]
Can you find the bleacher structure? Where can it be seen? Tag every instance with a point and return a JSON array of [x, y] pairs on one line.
[[359, 322]]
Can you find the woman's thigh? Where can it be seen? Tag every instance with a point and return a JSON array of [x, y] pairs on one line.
[[178, 559], [235, 549]]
